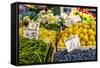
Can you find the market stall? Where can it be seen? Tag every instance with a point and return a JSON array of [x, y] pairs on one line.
[[47, 36]]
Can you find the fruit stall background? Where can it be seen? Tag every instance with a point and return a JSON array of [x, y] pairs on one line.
[[50, 33]]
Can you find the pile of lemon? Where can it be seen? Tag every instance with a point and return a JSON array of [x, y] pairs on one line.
[[85, 31]]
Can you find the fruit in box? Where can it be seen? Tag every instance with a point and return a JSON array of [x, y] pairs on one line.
[[86, 33], [92, 38], [84, 14], [69, 30], [89, 43], [85, 38], [91, 32], [94, 42], [83, 43]]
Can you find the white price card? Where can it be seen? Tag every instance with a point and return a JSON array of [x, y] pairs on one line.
[[72, 43], [76, 18], [30, 33], [69, 21], [32, 30], [33, 25], [73, 19]]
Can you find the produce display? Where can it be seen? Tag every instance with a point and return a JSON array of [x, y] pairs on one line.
[[85, 31], [46, 37], [84, 14]]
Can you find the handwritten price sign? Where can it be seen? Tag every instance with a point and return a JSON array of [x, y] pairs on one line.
[[31, 31], [72, 43]]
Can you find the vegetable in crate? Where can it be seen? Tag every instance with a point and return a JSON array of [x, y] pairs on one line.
[[85, 16], [48, 36], [54, 27], [32, 51], [46, 17]]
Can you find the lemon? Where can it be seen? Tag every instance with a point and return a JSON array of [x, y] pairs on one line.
[[81, 36], [86, 34], [77, 31], [65, 34], [94, 43], [89, 43], [80, 29], [70, 26], [92, 23], [85, 38], [83, 43], [70, 30], [80, 25], [70, 35], [84, 31], [85, 26], [92, 38], [93, 27], [76, 28], [88, 26], [91, 32]]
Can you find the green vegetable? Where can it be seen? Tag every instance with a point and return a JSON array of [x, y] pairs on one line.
[[32, 51], [54, 27]]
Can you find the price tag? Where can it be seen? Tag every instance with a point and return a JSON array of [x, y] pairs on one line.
[[72, 43], [33, 25], [31, 31], [69, 21], [77, 18], [73, 19]]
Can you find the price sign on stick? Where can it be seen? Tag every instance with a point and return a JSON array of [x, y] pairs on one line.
[[72, 43], [31, 31]]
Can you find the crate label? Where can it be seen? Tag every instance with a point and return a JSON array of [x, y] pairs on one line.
[[31, 31], [72, 43]]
